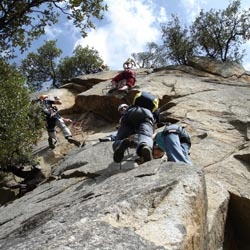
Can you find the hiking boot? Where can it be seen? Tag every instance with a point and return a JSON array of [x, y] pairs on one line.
[[119, 152], [71, 140], [124, 88], [52, 143], [146, 153], [105, 139]]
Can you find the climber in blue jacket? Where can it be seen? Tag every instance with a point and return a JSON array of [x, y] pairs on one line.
[[175, 141]]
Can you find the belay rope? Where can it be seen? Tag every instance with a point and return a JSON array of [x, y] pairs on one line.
[[77, 125]]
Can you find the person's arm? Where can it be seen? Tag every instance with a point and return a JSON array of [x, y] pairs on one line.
[[57, 100], [67, 120], [118, 77]]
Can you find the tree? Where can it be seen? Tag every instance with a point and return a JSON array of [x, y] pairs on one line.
[[221, 33], [21, 22], [177, 42], [217, 34], [84, 60], [153, 57], [20, 121], [41, 67]]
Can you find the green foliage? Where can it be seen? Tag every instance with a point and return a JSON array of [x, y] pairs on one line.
[[20, 121], [220, 33], [153, 57], [217, 34], [178, 44], [40, 67], [84, 60], [21, 22]]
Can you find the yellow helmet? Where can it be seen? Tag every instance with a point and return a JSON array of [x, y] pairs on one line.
[[43, 97]]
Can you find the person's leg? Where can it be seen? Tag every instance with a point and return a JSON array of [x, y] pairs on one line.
[[110, 137], [174, 150], [74, 141], [66, 132], [122, 142], [113, 136], [146, 153], [145, 141], [52, 139], [185, 141], [138, 120], [121, 84], [122, 133], [185, 150]]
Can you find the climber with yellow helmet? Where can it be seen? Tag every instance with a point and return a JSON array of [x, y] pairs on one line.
[[53, 120]]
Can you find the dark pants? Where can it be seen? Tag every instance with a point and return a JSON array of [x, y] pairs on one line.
[[139, 121]]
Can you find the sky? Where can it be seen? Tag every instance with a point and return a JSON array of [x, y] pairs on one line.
[[129, 25]]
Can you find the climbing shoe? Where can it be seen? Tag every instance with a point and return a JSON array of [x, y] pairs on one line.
[[105, 139], [146, 153], [71, 140], [52, 143], [119, 152]]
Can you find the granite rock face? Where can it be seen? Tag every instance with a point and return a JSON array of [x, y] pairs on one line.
[[93, 203]]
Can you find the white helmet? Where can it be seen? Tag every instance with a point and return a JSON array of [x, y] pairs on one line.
[[121, 106]]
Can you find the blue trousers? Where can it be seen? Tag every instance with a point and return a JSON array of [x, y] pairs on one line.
[[176, 143]]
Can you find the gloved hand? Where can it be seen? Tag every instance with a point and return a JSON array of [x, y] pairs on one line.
[[67, 120]]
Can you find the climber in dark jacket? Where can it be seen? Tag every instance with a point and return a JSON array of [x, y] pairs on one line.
[[136, 120]]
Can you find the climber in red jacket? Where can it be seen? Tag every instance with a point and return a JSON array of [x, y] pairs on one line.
[[126, 79]]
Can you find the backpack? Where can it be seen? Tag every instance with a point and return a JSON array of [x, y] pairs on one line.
[[146, 100]]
